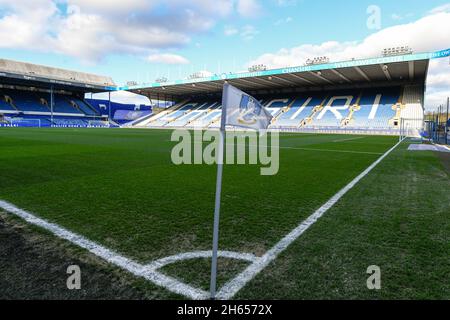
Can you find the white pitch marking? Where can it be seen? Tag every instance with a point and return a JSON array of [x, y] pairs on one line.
[[331, 150], [200, 254], [148, 272], [311, 149], [236, 284], [348, 139]]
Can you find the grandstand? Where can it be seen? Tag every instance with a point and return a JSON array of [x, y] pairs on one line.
[[39, 96], [370, 96]]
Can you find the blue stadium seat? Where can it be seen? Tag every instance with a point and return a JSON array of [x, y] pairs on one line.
[[26, 101], [321, 110]]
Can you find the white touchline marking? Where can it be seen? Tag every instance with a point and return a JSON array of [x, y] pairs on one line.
[[148, 272], [236, 284], [348, 139], [332, 150], [311, 149]]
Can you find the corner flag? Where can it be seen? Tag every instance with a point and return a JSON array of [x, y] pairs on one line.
[[241, 110]]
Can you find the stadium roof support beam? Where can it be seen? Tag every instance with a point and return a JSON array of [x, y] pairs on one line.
[[362, 73], [267, 81], [317, 75], [210, 85], [251, 83], [386, 72], [340, 75], [301, 78], [172, 91], [285, 80], [411, 70]]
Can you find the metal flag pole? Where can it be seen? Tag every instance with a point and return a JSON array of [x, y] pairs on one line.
[[446, 122], [218, 198], [51, 104], [439, 124], [109, 107]]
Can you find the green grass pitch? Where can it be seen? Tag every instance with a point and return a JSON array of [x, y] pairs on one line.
[[118, 187]]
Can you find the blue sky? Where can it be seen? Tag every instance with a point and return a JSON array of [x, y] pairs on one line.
[[141, 40]]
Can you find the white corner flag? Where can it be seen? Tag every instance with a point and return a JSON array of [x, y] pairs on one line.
[[241, 110]]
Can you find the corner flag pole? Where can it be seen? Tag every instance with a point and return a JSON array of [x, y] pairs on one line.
[[446, 122], [217, 205]]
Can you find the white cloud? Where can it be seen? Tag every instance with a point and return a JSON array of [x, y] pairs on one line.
[[443, 8], [111, 6], [429, 33], [248, 8], [91, 29], [438, 83], [398, 17], [230, 31], [286, 3], [24, 24], [167, 58], [283, 21], [248, 32]]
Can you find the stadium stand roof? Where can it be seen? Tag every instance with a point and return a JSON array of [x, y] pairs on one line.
[[28, 74], [392, 70]]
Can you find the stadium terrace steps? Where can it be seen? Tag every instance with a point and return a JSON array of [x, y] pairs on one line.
[[370, 109], [5, 106], [305, 122], [276, 107], [156, 120], [31, 108], [25, 101], [351, 110], [189, 115], [292, 116], [204, 118], [38, 103]]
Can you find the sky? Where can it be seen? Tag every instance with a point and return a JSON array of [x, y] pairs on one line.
[[142, 40]]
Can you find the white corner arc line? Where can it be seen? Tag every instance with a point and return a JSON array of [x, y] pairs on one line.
[[157, 264], [133, 267], [236, 284]]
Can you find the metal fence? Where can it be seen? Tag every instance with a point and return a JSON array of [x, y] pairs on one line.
[[437, 125]]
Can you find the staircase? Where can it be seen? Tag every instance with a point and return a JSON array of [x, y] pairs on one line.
[[306, 121], [283, 110], [147, 121], [356, 107], [10, 101]]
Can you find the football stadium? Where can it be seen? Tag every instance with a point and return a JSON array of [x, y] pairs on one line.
[[361, 189]]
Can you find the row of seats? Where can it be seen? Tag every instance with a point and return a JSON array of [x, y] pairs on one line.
[[370, 108], [36, 121], [39, 102]]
